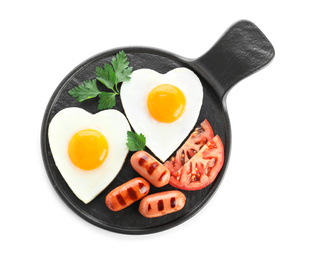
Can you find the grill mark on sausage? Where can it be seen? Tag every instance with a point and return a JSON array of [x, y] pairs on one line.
[[121, 200], [160, 205], [142, 187], [110, 205], [173, 202], [132, 194], [142, 160], [152, 167], [162, 175], [149, 207]]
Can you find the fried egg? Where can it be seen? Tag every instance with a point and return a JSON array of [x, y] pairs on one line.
[[88, 149], [163, 107]]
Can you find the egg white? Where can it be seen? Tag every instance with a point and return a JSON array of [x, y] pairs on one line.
[[161, 138], [86, 185]]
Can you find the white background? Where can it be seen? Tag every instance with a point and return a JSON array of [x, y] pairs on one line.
[[260, 210]]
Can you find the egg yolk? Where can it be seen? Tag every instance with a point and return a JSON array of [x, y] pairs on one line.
[[166, 103], [88, 149]]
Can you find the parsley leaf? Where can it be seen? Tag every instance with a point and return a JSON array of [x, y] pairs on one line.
[[121, 67], [107, 100], [88, 89], [109, 75], [135, 142], [106, 76]]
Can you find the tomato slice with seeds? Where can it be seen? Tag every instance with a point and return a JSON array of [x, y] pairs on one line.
[[202, 168], [195, 142]]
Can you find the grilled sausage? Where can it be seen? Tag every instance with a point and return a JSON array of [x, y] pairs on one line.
[[149, 168], [162, 203], [126, 194]]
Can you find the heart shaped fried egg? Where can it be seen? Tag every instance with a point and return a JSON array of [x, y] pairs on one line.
[[88, 149], [163, 107]]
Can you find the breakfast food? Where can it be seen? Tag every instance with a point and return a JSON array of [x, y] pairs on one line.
[[88, 149], [127, 193], [193, 144], [162, 203], [202, 168], [149, 168], [161, 105]]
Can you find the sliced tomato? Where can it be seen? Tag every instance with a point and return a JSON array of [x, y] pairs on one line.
[[202, 168], [195, 142]]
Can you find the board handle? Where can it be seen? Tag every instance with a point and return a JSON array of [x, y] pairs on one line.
[[242, 50]]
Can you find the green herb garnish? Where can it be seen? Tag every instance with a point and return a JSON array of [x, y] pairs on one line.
[[111, 75], [135, 142], [88, 89]]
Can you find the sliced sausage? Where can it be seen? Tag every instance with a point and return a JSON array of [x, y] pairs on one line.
[[162, 203], [127, 193], [149, 168]]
